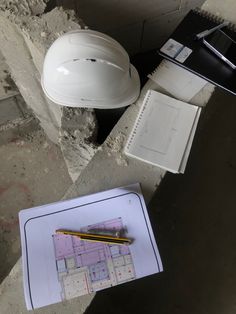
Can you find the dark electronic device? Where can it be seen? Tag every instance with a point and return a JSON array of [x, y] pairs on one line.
[[223, 46]]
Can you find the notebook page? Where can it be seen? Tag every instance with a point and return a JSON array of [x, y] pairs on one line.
[[162, 131]]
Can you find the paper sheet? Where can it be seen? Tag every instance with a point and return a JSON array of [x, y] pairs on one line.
[[190, 142], [179, 82], [61, 267], [162, 131]]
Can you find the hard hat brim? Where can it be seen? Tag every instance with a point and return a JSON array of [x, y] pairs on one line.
[[127, 98]]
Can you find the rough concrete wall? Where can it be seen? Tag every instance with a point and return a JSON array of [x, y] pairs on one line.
[[7, 86], [25, 39], [13, 111], [77, 127], [24, 73], [138, 25]]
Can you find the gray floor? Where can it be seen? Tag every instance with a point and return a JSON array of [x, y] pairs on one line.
[[32, 172], [193, 216]]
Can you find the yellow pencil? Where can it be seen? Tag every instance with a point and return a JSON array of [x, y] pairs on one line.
[[96, 237]]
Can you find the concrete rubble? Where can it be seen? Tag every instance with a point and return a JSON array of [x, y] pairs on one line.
[[24, 7], [77, 138], [26, 34]]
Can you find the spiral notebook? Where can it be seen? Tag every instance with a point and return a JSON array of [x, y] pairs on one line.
[[163, 132], [183, 49]]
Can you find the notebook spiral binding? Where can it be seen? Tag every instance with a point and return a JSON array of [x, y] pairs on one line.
[[138, 120], [152, 74], [214, 18]]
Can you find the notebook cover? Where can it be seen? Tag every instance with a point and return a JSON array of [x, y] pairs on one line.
[[201, 61]]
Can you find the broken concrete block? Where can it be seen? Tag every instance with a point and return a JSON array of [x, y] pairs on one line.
[[23, 71], [25, 39]]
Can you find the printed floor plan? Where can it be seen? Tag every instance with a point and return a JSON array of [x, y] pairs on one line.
[[84, 267]]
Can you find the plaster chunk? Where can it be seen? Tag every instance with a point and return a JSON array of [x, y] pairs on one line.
[[24, 7]]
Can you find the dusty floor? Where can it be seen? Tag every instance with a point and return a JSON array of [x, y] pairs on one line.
[[32, 172], [193, 216]]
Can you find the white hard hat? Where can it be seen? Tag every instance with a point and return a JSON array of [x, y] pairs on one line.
[[85, 68]]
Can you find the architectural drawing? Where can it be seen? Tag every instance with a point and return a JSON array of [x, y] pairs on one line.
[[84, 267]]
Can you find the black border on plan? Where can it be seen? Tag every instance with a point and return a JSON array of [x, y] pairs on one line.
[[105, 199]]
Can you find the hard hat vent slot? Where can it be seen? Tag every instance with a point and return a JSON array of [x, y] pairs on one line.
[[84, 99], [79, 59], [92, 60], [83, 59]]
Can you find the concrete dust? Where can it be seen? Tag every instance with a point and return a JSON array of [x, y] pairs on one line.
[[115, 146], [32, 172], [77, 138]]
